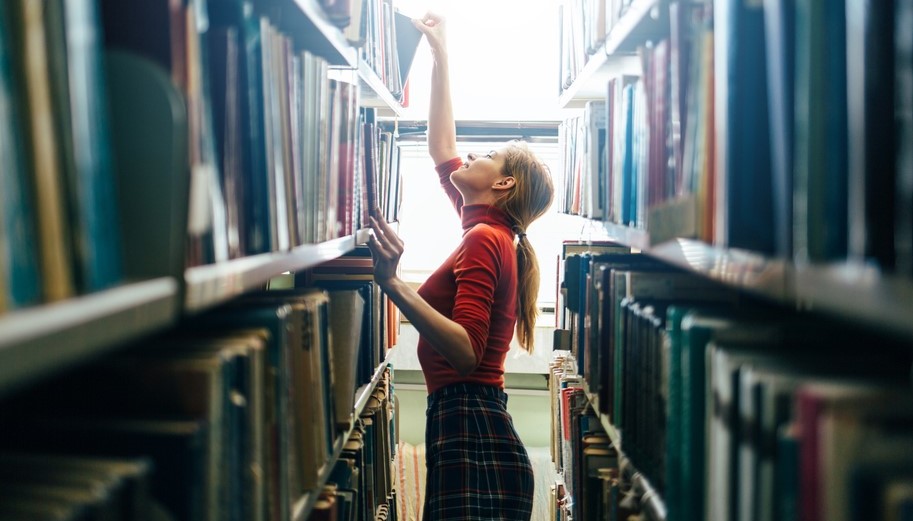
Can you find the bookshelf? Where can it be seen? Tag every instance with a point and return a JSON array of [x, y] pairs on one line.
[[210, 285], [641, 22], [647, 496], [856, 292], [375, 94], [309, 20], [722, 164], [305, 504], [62, 338], [37, 342]]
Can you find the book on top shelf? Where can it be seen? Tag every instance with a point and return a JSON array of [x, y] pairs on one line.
[[31, 33], [19, 280]]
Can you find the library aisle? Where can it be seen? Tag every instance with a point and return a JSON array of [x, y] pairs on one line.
[[189, 325]]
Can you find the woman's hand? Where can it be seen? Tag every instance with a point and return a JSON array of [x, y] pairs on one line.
[[432, 25], [386, 249]]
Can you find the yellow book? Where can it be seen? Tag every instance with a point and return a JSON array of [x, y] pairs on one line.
[[55, 256]]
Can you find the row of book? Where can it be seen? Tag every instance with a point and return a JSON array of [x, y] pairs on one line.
[[734, 409], [780, 127], [240, 411], [360, 486], [387, 42], [274, 141], [59, 226], [277, 151], [583, 27], [593, 482]]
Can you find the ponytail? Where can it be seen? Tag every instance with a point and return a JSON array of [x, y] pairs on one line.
[[527, 292]]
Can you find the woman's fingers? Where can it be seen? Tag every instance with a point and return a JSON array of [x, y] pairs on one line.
[[378, 248], [387, 235]]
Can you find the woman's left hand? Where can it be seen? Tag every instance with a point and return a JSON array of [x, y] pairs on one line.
[[386, 249]]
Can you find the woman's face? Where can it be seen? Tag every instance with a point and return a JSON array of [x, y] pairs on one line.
[[479, 173]]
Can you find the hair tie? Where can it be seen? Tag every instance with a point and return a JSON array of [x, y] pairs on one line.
[[521, 233]]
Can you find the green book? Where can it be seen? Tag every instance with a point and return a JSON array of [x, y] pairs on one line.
[[698, 329]]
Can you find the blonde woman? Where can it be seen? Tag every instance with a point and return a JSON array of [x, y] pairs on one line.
[[467, 311]]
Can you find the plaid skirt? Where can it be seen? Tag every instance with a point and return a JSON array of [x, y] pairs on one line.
[[478, 469]]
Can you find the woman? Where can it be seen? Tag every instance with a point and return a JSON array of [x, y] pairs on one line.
[[466, 313]]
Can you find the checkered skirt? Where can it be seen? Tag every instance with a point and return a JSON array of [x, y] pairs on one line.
[[478, 469]]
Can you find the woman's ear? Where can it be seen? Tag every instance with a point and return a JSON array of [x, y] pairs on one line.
[[504, 183]]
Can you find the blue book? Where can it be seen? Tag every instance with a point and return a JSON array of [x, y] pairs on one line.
[[779, 26], [748, 195], [19, 275], [628, 188], [90, 180]]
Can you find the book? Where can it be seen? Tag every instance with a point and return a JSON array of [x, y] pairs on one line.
[[113, 488], [83, 133], [53, 236], [174, 35], [19, 281], [903, 79], [819, 184], [346, 321], [745, 207], [225, 75], [150, 149], [408, 38], [779, 36], [871, 148], [176, 448], [834, 419]]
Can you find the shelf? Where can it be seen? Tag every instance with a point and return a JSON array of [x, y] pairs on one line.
[[631, 237], [362, 235], [304, 505], [592, 81], [372, 91], [374, 94], [737, 268], [859, 293], [213, 284], [610, 429], [642, 22], [38, 341], [650, 500], [320, 35]]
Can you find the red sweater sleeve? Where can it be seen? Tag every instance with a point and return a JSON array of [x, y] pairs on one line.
[[443, 171], [477, 271]]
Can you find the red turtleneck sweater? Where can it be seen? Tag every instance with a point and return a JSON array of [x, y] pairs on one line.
[[475, 287]]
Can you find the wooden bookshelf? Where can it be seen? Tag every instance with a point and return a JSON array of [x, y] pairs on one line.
[[210, 285], [42, 340], [305, 504], [642, 22]]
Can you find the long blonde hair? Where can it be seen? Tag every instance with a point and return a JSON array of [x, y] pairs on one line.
[[528, 200]]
